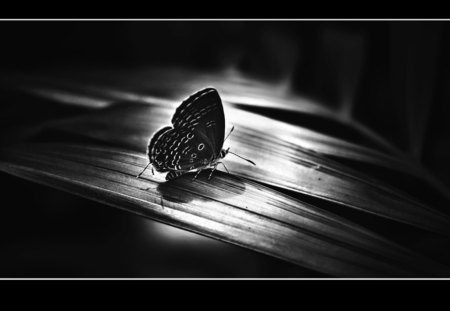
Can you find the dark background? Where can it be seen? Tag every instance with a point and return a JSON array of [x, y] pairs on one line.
[[393, 76], [396, 72]]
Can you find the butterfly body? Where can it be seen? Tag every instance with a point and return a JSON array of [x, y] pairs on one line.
[[195, 140]]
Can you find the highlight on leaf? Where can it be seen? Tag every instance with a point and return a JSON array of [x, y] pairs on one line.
[[303, 203]]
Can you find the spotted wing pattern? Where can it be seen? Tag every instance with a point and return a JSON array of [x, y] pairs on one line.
[[203, 112], [194, 140], [172, 149]]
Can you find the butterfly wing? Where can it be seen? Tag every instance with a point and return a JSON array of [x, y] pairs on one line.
[[157, 151], [179, 150], [196, 151], [202, 113], [195, 139]]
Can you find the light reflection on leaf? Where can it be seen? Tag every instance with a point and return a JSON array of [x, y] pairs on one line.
[[227, 208], [97, 154]]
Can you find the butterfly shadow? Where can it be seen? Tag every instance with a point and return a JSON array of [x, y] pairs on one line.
[[184, 190]]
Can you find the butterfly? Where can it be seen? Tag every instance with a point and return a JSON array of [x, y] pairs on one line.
[[195, 141]]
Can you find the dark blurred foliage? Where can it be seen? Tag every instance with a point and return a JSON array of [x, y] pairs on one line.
[[392, 76]]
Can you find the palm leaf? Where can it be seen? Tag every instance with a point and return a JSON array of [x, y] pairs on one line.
[[227, 208], [96, 153], [282, 157]]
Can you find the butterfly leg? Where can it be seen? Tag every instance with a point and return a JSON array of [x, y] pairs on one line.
[[144, 170], [195, 177], [212, 171], [224, 166]]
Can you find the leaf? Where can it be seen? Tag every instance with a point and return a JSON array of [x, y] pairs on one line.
[[228, 208], [281, 156], [97, 152]]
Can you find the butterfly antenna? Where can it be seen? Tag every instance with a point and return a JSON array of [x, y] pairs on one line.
[[243, 158], [229, 133], [143, 170]]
